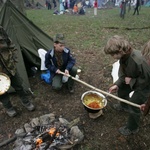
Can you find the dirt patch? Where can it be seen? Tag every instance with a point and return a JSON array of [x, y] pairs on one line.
[[100, 134]]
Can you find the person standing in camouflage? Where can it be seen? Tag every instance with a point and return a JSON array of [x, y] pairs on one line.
[[8, 61]]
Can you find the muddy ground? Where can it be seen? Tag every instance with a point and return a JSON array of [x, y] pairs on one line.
[[100, 134]]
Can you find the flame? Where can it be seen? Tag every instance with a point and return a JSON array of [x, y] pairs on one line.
[[52, 131], [39, 141]]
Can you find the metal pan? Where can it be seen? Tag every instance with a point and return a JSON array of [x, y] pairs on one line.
[[5, 83], [93, 110]]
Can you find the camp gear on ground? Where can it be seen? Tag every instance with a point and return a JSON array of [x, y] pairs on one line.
[[46, 77], [42, 53]]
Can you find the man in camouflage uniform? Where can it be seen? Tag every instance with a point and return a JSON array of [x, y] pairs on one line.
[[8, 60]]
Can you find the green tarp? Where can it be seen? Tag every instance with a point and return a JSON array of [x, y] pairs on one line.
[[27, 37]]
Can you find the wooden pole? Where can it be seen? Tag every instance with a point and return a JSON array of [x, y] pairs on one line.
[[101, 91]]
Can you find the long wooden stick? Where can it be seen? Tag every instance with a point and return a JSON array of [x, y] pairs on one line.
[[8, 141], [101, 91]]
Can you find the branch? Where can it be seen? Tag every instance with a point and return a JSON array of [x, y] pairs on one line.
[[8, 141]]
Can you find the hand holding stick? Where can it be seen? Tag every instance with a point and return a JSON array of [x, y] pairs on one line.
[[101, 91]]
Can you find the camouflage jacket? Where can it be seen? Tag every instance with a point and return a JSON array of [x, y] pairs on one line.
[[8, 54]]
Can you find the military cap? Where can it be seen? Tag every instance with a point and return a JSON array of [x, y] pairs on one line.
[[59, 38]]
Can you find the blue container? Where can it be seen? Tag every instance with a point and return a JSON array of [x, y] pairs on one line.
[[46, 77]]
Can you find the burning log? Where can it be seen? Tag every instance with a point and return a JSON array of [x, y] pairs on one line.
[[53, 132], [48, 136]]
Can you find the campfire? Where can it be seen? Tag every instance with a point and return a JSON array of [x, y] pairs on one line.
[[48, 133]]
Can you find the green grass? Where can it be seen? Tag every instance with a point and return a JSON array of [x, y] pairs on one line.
[[91, 33]]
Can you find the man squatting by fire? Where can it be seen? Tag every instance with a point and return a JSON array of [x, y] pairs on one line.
[[58, 59], [134, 75], [8, 61]]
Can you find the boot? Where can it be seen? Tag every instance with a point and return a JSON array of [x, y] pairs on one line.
[[5, 100], [71, 89], [125, 131], [25, 101], [11, 112], [29, 106]]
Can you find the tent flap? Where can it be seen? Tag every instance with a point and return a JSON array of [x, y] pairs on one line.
[[27, 37]]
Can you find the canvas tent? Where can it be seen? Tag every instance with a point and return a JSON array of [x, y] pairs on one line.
[[27, 37], [40, 6], [147, 4]]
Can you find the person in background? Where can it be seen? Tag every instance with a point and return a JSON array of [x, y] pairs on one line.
[[59, 58], [137, 7], [75, 9], [56, 12], [134, 75], [55, 4], [61, 6], [66, 4], [95, 7], [72, 3], [146, 54], [123, 8], [48, 4], [8, 62], [82, 10]]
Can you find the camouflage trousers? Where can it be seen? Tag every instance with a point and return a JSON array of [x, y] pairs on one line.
[[16, 83]]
